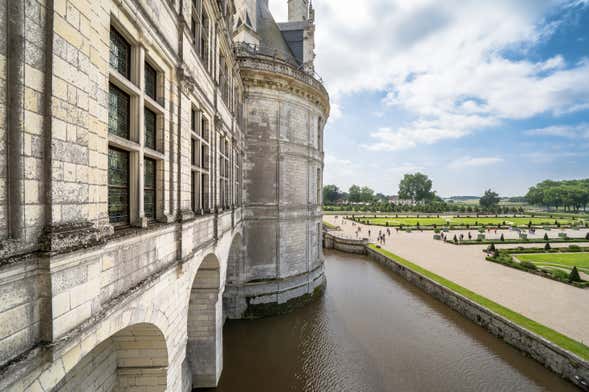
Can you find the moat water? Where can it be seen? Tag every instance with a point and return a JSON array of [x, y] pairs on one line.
[[372, 331]]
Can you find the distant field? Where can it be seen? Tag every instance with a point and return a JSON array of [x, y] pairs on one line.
[[519, 221], [564, 261]]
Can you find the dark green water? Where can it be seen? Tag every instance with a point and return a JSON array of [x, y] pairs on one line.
[[372, 331]]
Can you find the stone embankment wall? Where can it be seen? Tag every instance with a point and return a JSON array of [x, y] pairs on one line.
[[560, 361], [347, 245]]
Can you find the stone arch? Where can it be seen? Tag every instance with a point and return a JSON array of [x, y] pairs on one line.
[[232, 307], [205, 324], [235, 260], [133, 359]]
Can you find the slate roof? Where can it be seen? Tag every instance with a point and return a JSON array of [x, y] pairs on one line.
[[269, 32]]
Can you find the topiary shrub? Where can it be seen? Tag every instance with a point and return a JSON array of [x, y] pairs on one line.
[[546, 236], [547, 246], [491, 247], [502, 238], [455, 238], [587, 236], [574, 275]]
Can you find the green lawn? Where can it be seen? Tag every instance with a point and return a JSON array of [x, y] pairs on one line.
[[329, 225], [555, 337], [563, 260], [428, 221]]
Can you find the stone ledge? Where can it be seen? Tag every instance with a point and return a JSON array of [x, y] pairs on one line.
[[272, 297], [275, 308], [72, 236]]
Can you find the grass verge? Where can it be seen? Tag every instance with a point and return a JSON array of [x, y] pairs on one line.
[[551, 335], [329, 225]]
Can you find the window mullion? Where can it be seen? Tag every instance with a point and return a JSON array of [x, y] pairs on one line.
[[139, 114]]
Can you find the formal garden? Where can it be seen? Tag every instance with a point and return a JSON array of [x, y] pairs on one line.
[[457, 222], [481, 239], [568, 265]]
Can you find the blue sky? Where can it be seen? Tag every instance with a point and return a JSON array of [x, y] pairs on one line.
[[475, 94]]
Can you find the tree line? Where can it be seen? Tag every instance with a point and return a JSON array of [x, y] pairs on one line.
[[571, 195], [415, 194]]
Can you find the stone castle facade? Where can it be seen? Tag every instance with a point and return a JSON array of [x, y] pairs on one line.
[[161, 169]]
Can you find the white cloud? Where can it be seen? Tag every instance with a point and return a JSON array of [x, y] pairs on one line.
[[544, 157], [469, 162], [440, 60], [403, 138], [446, 126], [566, 131]]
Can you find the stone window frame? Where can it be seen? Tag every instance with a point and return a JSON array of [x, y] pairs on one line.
[[225, 173], [224, 80], [319, 134], [200, 15], [319, 187], [134, 86], [122, 222], [200, 142], [236, 177]]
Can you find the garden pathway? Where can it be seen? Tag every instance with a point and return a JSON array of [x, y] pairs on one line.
[[557, 305]]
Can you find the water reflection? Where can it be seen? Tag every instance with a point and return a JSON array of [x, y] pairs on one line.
[[373, 332]]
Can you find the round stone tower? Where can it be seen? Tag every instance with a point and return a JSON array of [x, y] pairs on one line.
[[286, 106]]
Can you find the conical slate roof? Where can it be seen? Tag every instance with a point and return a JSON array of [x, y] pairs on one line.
[[270, 35]]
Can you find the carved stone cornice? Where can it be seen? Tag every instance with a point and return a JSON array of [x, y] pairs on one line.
[[263, 72]]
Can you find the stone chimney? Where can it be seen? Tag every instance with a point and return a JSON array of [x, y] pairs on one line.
[[298, 10]]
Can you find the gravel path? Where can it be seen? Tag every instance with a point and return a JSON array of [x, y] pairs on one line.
[[557, 305]]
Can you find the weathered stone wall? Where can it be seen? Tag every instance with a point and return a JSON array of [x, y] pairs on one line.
[[283, 176], [79, 109], [87, 311], [68, 281], [71, 286], [24, 306], [348, 245], [97, 371], [3, 139]]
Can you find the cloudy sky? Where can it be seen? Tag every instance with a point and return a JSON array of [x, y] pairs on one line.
[[476, 94]]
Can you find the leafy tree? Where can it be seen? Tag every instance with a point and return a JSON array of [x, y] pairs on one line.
[[331, 194], [572, 195], [355, 194], [489, 200], [366, 194], [416, 187]]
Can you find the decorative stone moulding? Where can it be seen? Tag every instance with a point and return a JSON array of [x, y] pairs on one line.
[[71, 236]]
